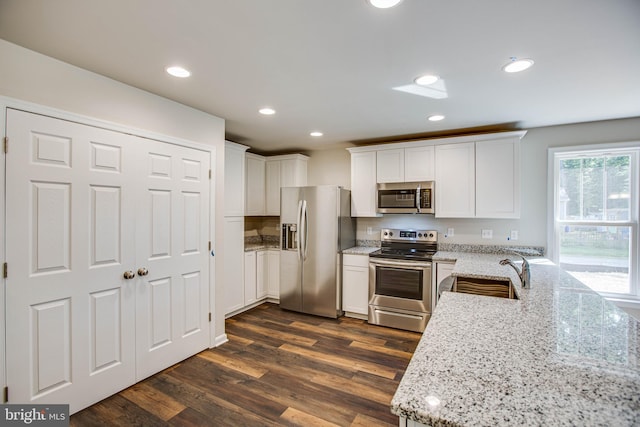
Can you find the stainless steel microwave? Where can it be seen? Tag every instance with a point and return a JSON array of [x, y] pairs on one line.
[[406, 197]]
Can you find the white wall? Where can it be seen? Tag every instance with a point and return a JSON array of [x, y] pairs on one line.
[[327, 166], [32, 77]]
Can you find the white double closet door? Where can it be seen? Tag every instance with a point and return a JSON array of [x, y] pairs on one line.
[[84, 206]]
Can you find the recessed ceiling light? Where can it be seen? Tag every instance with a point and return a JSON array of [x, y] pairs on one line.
[[178, 72], [517, 65], [383, 4], [316, 133], [436, 117], [267, 111], [426, 80]]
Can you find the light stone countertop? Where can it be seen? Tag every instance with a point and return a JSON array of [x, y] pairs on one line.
[[248, 247], [560, 355], [360, 250]]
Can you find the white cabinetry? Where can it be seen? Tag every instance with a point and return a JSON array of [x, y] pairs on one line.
[[233, 262], [442, 271], [476, 176], [255, 203], [455, 180], [478, 180], [260, 278], [283, 171], [390, 165], [262, 270], [273, 273], [498, 178], [250, 279], [363, 184], [273, 187], [234, 178], [419, 163], [355, 285], [405, 164]]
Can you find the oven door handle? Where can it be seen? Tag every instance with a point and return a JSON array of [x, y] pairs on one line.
[[399, 263]]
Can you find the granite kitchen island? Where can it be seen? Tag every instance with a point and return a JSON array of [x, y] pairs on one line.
[[558, 355]]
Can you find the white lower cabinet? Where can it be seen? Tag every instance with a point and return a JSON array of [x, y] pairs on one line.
[[260, 279], [442, 271], [261, 274], [233, 261], [273, 273], [355, 284], [250, 279]]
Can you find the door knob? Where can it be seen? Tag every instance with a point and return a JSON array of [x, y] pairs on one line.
[[142, 271], [129, 274]]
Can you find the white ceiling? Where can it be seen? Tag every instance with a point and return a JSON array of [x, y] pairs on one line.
[[330, 65]]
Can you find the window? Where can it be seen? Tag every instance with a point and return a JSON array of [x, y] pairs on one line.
[[595, 230]]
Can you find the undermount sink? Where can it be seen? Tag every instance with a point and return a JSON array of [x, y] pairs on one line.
[[486, 287]]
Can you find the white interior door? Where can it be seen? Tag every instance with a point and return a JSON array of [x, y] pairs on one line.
[[70, 312], [172, 227], [84, 206]]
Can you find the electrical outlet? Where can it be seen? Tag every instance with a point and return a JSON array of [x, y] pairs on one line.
[[514, 234], [369, 230], [487, 234], [450, 232]]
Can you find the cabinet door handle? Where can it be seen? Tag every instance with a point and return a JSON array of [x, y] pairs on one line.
[[129, 275], [142, 271]]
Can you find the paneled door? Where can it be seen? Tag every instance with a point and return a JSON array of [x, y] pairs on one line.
[[106, 237], [172, 233]]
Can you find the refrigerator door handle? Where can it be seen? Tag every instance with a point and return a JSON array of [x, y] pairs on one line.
[[304, 230], [299, 226]]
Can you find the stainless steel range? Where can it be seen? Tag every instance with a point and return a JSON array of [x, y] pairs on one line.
[[400, 290]]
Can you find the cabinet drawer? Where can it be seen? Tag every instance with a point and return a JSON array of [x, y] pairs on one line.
[[355, 260]]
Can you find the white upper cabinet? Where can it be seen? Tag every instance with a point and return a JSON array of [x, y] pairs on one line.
[[476, 176], [498, 178], [273, 187], [283, 171], [405, 164], [293, 171], [390, 165], [455, 180], [363, 184], [255, 196], [419, 164], [234, 178]]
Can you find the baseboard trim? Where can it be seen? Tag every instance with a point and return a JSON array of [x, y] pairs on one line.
[[219, 340]]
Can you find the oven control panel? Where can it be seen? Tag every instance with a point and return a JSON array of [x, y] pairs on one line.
[[393, 234]]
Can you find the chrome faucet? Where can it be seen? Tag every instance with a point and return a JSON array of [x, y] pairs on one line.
[[524, 274]]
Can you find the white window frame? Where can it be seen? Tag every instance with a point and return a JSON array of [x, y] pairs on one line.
[[554, 224]]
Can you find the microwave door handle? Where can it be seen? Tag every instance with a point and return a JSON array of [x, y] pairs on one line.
[[418, 198]]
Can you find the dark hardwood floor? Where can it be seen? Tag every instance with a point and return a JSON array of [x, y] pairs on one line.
[[278, 368]]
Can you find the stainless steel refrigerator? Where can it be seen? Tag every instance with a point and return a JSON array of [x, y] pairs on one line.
[[316, 226]]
